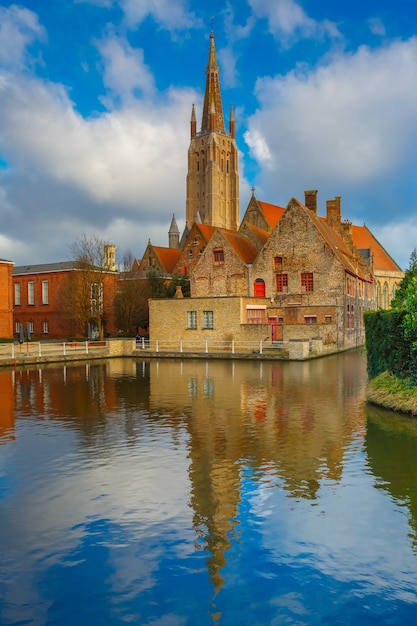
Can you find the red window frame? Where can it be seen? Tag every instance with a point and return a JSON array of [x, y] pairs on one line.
[[307, 282], [282, 283]]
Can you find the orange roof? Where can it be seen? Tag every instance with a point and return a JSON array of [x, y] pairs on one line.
[[167, 257], [272, 213], [363, 239], [260, 234], [242, 246]]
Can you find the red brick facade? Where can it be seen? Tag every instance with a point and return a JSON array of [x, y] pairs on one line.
[[6, 301], [37, 297]]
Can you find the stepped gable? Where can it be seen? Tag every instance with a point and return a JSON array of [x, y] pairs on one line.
[[364, 239]]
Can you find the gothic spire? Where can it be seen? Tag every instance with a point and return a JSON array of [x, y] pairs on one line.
[[212, 96]]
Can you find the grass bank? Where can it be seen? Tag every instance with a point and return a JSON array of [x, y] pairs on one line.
[[392, 393]]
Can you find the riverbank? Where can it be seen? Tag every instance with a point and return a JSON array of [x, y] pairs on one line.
[[392, 393]]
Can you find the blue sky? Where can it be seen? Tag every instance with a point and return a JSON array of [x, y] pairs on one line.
[[95, 104]]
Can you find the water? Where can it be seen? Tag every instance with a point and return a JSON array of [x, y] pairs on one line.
[[173, 493]]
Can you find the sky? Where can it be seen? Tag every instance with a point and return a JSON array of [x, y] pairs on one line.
[[96, 99]]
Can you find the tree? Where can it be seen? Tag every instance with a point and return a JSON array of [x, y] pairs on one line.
[[162, 287], [399, 300], [83, 297], [130, 302]]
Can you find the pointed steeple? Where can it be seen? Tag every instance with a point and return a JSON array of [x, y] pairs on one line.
[[193, 123], [212, 96], [174, 234]]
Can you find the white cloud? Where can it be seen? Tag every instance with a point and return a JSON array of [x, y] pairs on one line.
[[377, 27], [287, 19], [171, 15], [125, 72], [19, 27], [351, 121]]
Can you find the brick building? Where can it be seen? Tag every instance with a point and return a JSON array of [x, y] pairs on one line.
[[283, 273], [40, 295], [6, 299]]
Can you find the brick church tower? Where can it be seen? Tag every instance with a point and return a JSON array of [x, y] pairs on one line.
[[213, 177]]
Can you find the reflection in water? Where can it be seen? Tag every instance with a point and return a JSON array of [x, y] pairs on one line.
[[150, 481]]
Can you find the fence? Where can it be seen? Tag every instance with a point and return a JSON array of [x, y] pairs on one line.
[[207, 346], [36, 349]]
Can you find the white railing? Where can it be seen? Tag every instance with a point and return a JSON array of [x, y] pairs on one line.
[[208, 346], [38, 349]]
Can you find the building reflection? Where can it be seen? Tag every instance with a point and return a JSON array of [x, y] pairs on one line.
[[293, 421], [290, 425]]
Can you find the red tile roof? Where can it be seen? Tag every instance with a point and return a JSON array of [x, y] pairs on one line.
[[167, 257], [242, 246], [272, 212], [363, 239]]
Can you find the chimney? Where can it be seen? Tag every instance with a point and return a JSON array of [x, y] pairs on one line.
[[347, 233], [333, 212], [310, 200]]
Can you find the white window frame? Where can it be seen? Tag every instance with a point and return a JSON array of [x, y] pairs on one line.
[[31, 292], [45, 292], [17, 294], [208, 320], [45, 327], [192, 320]]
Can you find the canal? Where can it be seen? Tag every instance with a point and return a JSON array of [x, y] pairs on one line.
[[171, 493]]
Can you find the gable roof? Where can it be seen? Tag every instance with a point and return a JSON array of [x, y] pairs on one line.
[[167, 257], [260, 234], [272, 212], [242, 246], [352, 263], [363, 239]]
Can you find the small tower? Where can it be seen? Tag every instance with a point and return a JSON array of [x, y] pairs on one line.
[[213, 177], [174, 234]]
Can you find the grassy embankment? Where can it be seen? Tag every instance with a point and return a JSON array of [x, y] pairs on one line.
[[392, 393]]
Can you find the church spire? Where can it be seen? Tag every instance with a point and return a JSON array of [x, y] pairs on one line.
[[212, 96]]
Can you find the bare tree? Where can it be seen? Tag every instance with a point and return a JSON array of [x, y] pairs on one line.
[[130, 302], [83, 297]]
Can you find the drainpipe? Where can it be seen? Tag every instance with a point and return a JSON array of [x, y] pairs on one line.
[[248, 267]]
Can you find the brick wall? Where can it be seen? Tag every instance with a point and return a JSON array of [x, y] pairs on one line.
[[6, 300]]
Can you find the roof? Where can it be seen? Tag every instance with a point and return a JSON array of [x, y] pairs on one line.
[[167, 257], [272, 212], [363, 239], [242, 246], [260, 234], [43, 268], [352, 263]]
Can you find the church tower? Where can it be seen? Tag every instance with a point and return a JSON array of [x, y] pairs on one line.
[[213, 177]]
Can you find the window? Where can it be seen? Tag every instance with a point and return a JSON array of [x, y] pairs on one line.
[[310, 319], [278, 262], [96, 298], [255, 316], [208, 319], [45, 327], [31, 327], [17, 294], [192, 320], [327, 319], [280, 320], [218, 256], [282, 283], [306, 282], [31, 292], [17, 327], [45, 292]]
